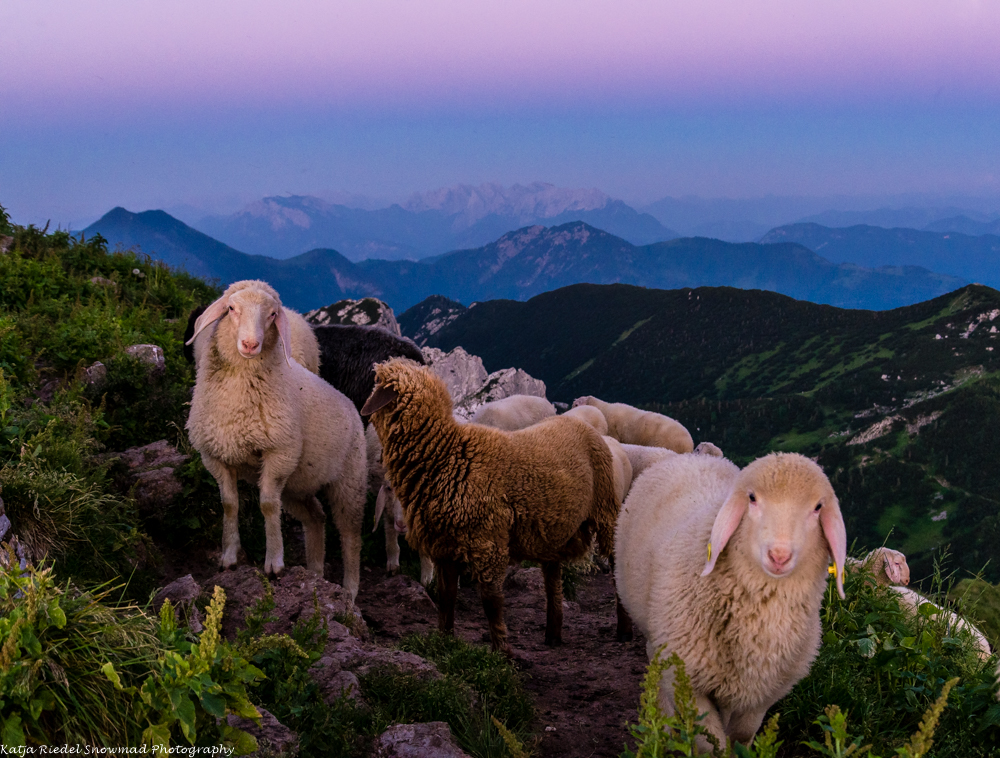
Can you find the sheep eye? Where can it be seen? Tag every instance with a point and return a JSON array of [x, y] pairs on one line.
[[818, 506], [230, 307], [753, 498]]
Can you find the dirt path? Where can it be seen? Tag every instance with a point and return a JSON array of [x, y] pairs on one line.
[[585, 691]]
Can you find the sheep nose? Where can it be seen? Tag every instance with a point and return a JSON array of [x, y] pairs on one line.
[[779, 556], [249, 345]]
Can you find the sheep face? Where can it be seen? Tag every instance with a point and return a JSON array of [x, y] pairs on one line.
[[399, 383], [785, 508], [251, 312]]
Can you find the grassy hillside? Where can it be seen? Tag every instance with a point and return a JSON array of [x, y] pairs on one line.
[[901, 406]]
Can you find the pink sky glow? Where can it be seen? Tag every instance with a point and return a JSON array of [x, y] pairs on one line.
[[154, 103], [386, 54]]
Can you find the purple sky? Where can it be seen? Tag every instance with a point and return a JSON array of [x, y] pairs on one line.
[[155, 104]]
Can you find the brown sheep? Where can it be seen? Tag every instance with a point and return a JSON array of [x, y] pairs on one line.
[[482, 497]]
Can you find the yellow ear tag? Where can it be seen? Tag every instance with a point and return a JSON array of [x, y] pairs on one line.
[[709, 551], [832, 570]]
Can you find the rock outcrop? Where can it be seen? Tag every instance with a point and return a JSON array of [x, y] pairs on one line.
[[150, 475], [368, 310], [430, 740], [298, 594], [469, 384]]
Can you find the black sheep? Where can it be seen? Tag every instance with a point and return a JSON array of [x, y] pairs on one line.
[[348, 354]]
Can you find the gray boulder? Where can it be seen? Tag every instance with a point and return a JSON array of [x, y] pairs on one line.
[[430, 740], [151, 475]]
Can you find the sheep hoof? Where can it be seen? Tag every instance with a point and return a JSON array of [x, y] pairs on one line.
[[391, 570], [625, 635], [553, 641]]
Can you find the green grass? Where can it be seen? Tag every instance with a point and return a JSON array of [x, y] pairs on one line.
[[885, 667]]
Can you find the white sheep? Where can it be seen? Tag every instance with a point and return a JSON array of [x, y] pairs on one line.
[[259, 415], [622, 467], [643, 457], [387, 506], [887, 566], [746, 621], [890, 569], [514, 412], [707, 448], [911, 602], [305, 347], [590, 415], [635, 427]]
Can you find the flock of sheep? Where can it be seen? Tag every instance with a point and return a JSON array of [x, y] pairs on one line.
[[723, 566]]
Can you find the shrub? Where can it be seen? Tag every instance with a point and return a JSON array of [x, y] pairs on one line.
[[77, 670]]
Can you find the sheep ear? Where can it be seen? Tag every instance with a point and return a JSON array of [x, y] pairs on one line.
[[284, 331], [836, 537], [726, 521], [211, 314], [383, 495], [380, 397]]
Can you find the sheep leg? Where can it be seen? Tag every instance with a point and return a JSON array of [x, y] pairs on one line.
[[274, 473], [447, 572], [310, 512], [743, 725], [226, 479], [391, 543], [492, 597], [552, 570], [712, 720], [347, 505], [426, 570], [624, 632]]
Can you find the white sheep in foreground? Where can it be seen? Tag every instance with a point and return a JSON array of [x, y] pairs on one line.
[[258, 415], [635, 427], [514, 412], [746, 622], [590, 415]]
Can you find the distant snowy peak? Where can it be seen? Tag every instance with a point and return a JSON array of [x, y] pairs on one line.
[[538, 200], [282, 212]]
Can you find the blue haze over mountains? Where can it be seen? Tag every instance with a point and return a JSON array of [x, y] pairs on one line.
[[488, 242]]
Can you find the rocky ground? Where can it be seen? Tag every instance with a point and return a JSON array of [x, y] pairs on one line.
[[584, 691]]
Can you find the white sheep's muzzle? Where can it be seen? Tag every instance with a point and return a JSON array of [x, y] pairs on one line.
[[778, 560]]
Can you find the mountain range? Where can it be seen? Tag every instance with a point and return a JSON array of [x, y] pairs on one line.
[[901, 407], [973, 258], [529, 261], [427, 224]]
